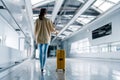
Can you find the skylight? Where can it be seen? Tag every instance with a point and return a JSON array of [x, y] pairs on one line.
[[35, 18], [35, 15], [105, 6], [48, 16], [80, 22], [73, 27], [60, 25], [61, 36], [67, 33], [85, 19], [36, 1], [98, 3], [68, 16]]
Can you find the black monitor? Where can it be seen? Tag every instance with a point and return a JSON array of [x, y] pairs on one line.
[[102, 31]]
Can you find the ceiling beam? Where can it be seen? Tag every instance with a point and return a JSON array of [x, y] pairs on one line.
[[80, 11], [97, 9], [58, 5], [42, 3], [108, 13]]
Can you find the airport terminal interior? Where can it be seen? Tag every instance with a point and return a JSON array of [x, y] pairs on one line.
[[87, 37]]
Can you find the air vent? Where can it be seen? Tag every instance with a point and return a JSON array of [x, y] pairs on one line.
[[17, 29], [1, 7]]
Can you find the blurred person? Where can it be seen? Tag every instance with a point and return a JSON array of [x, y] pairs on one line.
[[43, 29]]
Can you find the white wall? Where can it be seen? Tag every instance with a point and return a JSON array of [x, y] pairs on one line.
[[2, 29], [10, 37], [8, 54], [114, 18], [9, 49]]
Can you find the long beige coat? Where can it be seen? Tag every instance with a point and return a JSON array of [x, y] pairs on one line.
[[43, 30]]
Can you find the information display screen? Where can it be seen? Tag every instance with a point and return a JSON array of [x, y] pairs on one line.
[[102, 31]]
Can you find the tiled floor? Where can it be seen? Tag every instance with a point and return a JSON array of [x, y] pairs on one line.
[[76, 69]]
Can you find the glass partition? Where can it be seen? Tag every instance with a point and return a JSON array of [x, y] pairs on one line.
[[83, 46]]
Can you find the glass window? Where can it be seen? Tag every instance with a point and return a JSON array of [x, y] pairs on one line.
[[74, 45], [94, 49], [103, 48], [81, 46], [115, 46]]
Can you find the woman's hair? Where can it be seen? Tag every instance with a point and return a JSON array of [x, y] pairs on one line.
[[43, 11]]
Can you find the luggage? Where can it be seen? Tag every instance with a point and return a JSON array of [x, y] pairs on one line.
[[60, 59]]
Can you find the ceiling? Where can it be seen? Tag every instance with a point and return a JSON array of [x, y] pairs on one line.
[[15, 13], [70, 16]]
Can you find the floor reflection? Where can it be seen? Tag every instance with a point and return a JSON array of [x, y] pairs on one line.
[[76, 69], [42, 76], [60, 75]]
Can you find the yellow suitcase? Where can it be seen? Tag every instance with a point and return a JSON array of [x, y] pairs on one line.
[[60, 59]]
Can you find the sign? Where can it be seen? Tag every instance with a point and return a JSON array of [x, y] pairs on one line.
[[102, 31]]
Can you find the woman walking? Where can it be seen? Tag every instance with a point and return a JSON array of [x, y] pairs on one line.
[[43, 29]]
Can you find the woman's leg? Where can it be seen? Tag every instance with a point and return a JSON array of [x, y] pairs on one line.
[[41, 55], [45, 54]]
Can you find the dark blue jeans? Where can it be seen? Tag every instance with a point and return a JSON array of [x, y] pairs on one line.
[[43, 48]]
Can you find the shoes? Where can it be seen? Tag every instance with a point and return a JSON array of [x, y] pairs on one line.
[[43, 70]]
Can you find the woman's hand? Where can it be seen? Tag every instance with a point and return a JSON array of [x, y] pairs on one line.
[[56, 32]]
